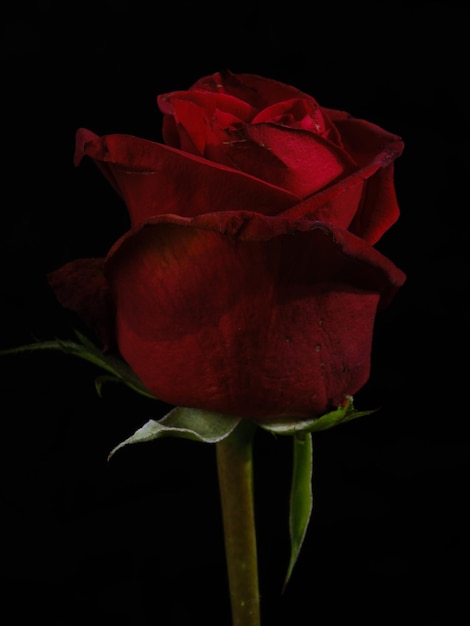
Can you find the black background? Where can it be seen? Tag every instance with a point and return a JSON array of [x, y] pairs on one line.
[[138, 541]]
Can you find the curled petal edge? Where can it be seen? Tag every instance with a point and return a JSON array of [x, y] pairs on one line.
[[249, 226]]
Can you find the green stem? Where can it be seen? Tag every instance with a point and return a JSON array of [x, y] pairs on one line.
[[235, 474]]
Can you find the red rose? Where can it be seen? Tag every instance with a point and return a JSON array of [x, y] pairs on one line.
[[248, 283]]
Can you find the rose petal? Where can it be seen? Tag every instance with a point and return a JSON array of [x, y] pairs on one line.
[[291, 158], [81, 286], [364, 201], [295, 113], [258, 91], [187, 123], [154, 179], [248, 315]]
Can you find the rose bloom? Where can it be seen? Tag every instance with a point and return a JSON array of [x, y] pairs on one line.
[[248, 282]]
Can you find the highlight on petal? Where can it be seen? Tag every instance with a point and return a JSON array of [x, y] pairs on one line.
[[294, 159], [364, 200]]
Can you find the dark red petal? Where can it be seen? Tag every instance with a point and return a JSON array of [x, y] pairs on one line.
[[200, 132], [375, 150], [257, 91], [336, 204], [174, 103], [248, 315], [82, 287], [295, 113], [86, 141], [364, 201], [154, 179], [378, 209], [294, 159], [189, 117], [364, 140]]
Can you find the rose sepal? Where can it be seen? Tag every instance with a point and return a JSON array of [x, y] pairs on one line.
[[211, 427], [345, 412], [301, 497], [301, 494], [185, 423]]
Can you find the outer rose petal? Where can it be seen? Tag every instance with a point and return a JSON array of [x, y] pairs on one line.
[[375, 150], [82, 287], [248, 315], [154, 179]]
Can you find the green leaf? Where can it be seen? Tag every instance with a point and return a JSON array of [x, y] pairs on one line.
[[118, 370], [340, 415], [101, 380], [301, 499], [185, 423]]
